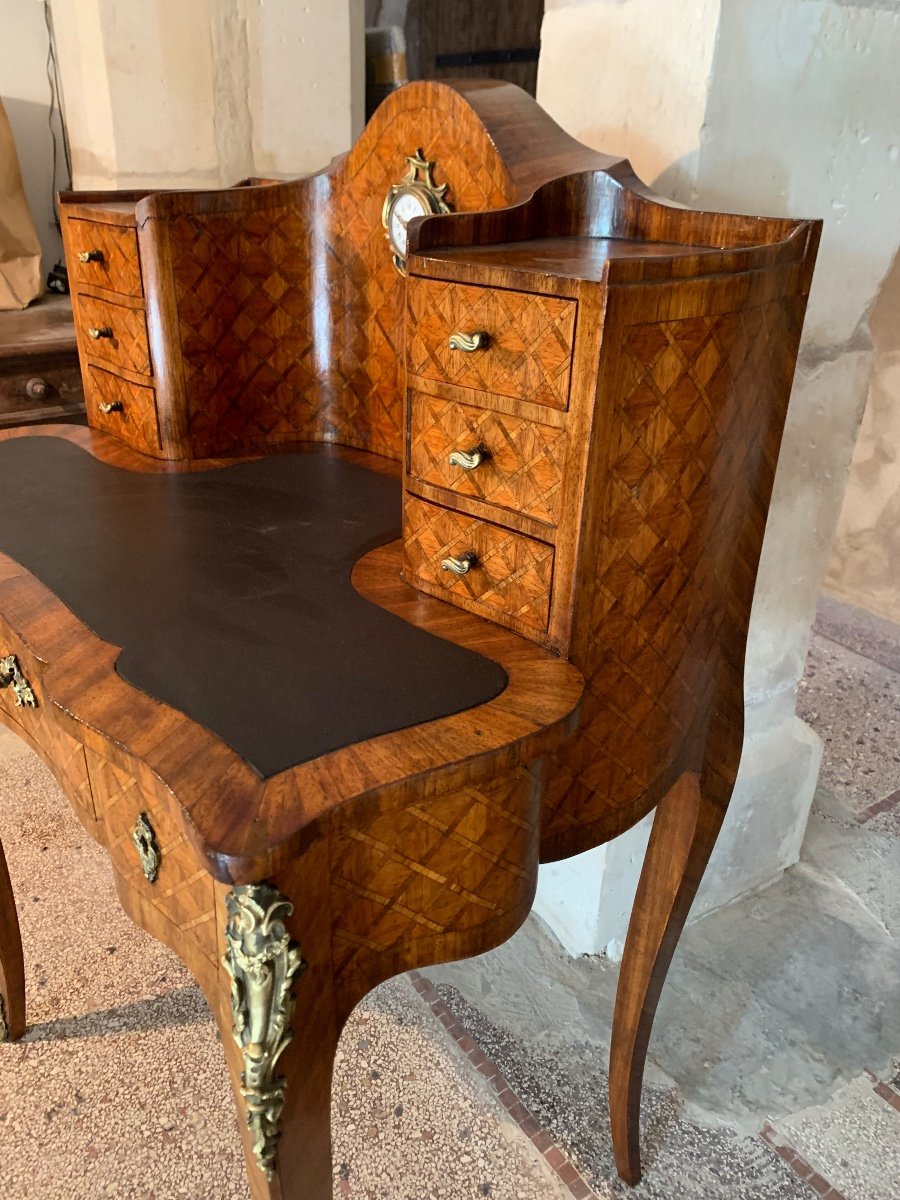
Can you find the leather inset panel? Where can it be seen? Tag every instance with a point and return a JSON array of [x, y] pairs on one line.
[[229, 592]]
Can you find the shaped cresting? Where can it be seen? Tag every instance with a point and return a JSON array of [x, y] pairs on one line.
[[276, 313]]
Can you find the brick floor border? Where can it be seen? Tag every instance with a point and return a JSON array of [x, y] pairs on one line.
[[880, 806], [556, 1158], [884, 1090], [798, 1164]]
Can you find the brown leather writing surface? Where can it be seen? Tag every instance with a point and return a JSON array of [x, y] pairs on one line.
[[229, 592]]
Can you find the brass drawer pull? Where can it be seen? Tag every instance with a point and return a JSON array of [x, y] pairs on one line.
[[87, 256], [110, 407], [103, 332], [469, 341], [462, 565], [469, 459], [11, 676], [144, 840]]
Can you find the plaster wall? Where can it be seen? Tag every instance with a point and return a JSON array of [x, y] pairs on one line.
[[26, 98], [160, 93], [797, 118]]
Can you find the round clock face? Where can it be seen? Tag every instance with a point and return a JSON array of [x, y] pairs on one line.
[[408, 203]]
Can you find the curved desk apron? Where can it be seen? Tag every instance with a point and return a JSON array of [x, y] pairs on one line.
[[308, 777]]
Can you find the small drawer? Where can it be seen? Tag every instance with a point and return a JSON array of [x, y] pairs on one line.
[[108, 257], [149, 849], [46, 383], [512, 462], [524, 350], [510, 575], [114, 333], [124, 409]]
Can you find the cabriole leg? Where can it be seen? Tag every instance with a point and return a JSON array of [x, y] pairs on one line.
[[684, 831], [280, 1032], [12, 967]]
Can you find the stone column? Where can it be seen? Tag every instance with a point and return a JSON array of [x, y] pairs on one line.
[[169, 93], [781, 107]]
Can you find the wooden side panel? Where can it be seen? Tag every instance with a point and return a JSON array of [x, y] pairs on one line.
[[415, 884], [290, 311], [697, 403]]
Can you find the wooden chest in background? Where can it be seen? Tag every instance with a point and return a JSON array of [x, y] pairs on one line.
[[39, 375]]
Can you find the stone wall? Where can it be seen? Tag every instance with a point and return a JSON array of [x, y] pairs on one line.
[[865, 561], [782, 107]]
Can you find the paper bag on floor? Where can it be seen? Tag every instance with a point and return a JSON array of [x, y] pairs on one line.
[[20, 250]]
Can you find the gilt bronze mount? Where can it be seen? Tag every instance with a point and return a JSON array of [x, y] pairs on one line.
[[144, 839], [11, 676], [263, 963]]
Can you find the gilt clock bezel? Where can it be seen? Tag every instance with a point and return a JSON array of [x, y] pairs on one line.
[[418, 181]]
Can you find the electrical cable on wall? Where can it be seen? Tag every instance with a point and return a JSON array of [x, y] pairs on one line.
[[57, 279]]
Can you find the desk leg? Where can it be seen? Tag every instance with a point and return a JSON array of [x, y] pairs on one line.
[[684, 831], [12, 967], [279, 1026], [390, 886]]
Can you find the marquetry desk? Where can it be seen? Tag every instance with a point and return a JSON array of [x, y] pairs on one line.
[[413, 544]]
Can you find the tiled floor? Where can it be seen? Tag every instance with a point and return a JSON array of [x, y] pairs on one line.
[[789, 1085], [487, 1078]]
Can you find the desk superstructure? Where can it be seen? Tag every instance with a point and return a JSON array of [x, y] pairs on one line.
[[578, 393]]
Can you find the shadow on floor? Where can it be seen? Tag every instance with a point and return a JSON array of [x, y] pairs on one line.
[[183, 1006]]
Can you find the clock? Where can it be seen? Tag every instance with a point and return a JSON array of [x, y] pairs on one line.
[[417, 195]]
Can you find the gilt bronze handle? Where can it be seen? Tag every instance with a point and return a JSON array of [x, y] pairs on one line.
[[87, 256], [469, 341], [11, 676], [144, 839], [103, 332], [462, 565], [469, 459], [111, 407]]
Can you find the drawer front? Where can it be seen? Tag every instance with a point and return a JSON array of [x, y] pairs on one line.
[[529, 339], [522, 461], [126, 410], [44, 385], [512, 575], [66, 754], [122, 340], [182, 890], [114, 263]]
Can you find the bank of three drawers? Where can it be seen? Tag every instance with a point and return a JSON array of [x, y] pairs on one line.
[[493, 473], [111, 324]]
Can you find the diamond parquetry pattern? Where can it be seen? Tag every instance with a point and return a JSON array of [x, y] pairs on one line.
[[291, 316], [692, 470], [513, 573], [526, 463], [529, 353], [455, 861]]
